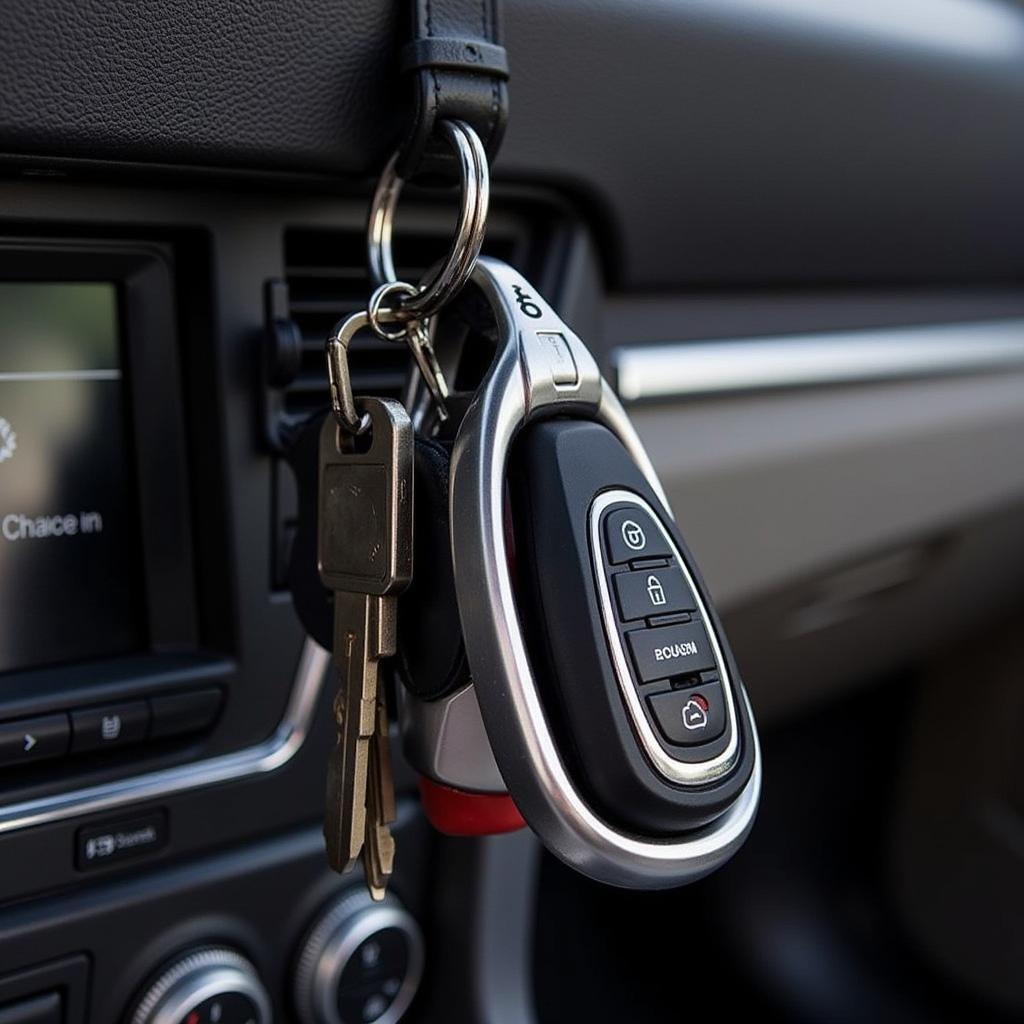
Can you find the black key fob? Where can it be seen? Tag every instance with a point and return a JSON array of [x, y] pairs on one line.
[[613, 706]]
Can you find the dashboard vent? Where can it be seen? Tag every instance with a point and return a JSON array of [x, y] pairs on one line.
[[325, 271], [325, 279]]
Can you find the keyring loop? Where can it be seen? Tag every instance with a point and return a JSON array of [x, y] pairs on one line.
[[343, 402], [469, 233], [378, 313], [415, 333]]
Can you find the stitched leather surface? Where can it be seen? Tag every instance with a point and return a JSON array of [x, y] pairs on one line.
[[266, 83], [709, 144]]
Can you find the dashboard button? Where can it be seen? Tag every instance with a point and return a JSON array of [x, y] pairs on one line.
[[110, 725], [690, 717], [671, 651], [44, 1009], [175, 714], [653, 592], [34, 739], [630, 533]]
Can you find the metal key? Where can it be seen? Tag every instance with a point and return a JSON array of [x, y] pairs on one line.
[[364, 555], [379, 848]]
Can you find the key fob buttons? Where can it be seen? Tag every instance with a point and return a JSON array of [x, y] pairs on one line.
[[631, 534], [667, 658]]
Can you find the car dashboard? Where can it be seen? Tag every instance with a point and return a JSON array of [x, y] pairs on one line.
[[795, 253]]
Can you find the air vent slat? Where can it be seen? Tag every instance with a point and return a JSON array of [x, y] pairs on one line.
[[311, 384], [359, 344], [327, 305], [298, 272], [327, 280]]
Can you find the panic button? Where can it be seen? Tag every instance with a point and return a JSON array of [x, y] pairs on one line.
[[690, 717], [671, 651]]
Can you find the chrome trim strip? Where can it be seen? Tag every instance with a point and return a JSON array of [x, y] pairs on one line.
[[690, 369], [268, 756], [518, 386], [690, 773]]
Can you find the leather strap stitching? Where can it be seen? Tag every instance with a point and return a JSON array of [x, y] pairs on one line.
[[458, 71]]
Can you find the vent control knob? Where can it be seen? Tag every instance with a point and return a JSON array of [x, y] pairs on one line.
[[210, 985], [360, 962]]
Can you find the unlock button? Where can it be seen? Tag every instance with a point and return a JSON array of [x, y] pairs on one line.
[[630, 533], [652, 592]]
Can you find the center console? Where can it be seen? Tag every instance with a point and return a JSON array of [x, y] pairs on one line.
[[164, 722]]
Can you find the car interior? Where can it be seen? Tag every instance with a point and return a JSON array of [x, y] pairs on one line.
[[563, 614]]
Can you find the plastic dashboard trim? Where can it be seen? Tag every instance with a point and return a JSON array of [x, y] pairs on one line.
[[691, 369], [259, 759]]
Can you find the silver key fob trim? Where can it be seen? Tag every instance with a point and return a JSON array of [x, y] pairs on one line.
[[542, 367]]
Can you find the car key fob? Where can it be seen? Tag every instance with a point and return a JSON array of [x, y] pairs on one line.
[[613, 707], [588, 524]]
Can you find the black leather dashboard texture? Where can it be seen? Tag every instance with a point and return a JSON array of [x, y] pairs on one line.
[[299, 84], [714, 141]]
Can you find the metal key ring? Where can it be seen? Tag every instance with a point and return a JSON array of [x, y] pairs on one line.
[[469, 233], [417, 334], [380, 313]]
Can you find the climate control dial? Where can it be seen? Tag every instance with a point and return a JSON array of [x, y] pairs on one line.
[[360, 963], [211, 985]]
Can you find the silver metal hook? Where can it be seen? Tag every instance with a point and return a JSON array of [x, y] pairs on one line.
[[417, 334], [469, 232], [343, 401]]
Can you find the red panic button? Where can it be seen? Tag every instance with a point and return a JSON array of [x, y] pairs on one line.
[[458, 813]]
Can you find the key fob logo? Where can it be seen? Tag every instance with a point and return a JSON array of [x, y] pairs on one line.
[[526, 304]]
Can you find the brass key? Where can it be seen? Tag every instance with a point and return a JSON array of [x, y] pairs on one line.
[[365, 558], [379, 848]]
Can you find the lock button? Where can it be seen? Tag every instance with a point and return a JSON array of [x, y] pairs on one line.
[[650, 592]]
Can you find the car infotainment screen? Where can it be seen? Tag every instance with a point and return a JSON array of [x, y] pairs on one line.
[[70, 573]]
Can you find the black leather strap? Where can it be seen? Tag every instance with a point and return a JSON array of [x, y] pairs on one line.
[[459, 72], [455, 55]]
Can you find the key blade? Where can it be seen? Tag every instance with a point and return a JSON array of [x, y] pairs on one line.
[[371, 864], [364, 555], [379, 861], [382, 763], [379, 849], [357, 638], [383, 626], [345, 829]]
